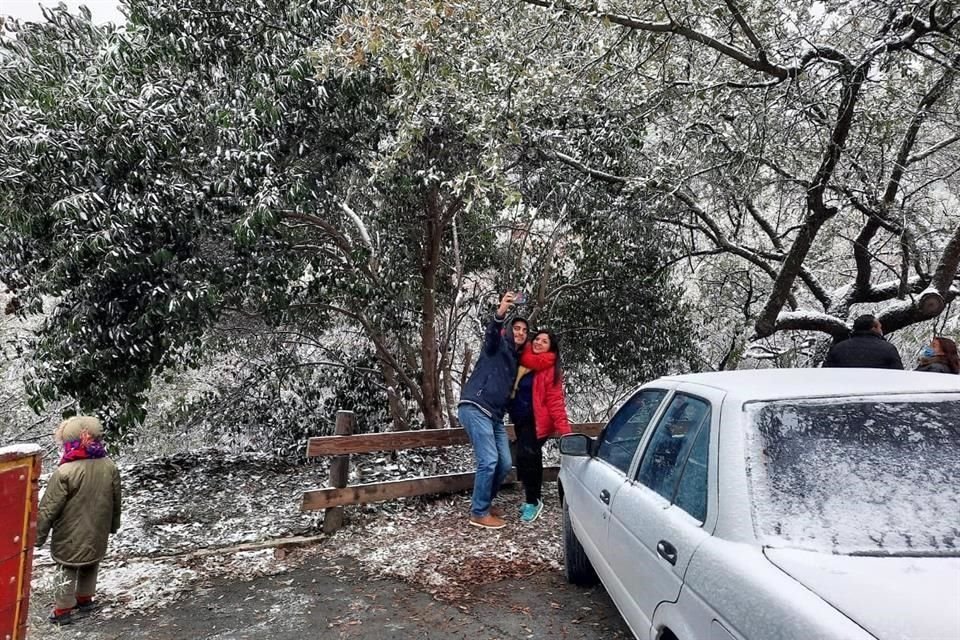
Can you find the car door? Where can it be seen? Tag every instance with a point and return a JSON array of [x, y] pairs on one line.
[[659, 518], [595, 480]]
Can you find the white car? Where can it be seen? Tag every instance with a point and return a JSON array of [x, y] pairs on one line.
[[811, 504]]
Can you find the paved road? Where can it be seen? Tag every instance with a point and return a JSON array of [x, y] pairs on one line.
[[335, 600]]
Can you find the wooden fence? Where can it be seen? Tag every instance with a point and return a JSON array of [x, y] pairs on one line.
[[345, 442]]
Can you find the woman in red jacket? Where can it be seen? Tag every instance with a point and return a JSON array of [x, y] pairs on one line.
[[538, 411]]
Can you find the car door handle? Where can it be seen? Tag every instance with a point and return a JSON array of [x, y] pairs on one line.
[[605, 496], [667, 551]]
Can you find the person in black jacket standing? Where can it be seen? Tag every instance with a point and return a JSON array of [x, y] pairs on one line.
[[483, 402], [866, 348]]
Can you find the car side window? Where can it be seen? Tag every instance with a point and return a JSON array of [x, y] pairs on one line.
[[691, 493], [677, 448], [621, 437]]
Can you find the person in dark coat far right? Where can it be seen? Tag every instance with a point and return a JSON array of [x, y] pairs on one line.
[[866, 347]]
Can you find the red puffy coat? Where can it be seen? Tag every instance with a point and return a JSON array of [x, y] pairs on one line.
[[549, 402]]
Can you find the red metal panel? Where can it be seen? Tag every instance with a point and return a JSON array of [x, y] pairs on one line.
[[14, 484], [19, 474], [9, 594]]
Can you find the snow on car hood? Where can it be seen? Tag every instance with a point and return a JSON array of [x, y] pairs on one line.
[[894, 598]]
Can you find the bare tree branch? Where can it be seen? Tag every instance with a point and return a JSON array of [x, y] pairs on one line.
[[671, 26], [910, 136], [576, 164], [805, 275], [893, 289], [751, 36], [710, 227], [379, 343], [910, 312], [861, 246], [932, 300], [810, 321], [819, 211], [946, 271], [898, 33], [926, 153]]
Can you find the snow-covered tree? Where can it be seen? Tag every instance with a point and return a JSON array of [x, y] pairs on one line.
[[312, 166], [815, 142]]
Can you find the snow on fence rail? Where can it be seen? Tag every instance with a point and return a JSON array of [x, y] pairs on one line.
[[341, 445]]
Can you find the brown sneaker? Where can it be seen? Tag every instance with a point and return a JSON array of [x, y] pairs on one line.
[[488, 521], [496, 512]]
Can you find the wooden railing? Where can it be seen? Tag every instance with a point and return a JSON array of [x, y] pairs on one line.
[[344, 443]]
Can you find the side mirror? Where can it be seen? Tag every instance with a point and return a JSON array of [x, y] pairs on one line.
[[576, 444]]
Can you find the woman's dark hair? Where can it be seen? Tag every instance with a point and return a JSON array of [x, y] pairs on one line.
[[949, 348], [554, 348]]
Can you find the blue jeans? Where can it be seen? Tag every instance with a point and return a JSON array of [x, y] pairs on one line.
[[492, 450]]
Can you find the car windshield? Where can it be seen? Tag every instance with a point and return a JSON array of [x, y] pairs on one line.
[[870, 476]]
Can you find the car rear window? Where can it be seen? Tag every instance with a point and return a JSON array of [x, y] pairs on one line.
[[871, 476]]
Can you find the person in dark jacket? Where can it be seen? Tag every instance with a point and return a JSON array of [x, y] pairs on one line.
[[866, 348], [81, 505], [538, 411], [940, 356], [483, 402]]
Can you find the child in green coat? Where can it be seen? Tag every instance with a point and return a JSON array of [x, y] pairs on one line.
[[82, 507]]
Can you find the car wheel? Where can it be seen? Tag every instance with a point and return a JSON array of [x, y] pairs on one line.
[[576, 564]]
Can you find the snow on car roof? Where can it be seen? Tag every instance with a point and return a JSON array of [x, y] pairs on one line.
[[769, 384]]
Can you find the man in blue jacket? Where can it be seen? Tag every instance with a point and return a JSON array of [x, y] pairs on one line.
[[483, 402]]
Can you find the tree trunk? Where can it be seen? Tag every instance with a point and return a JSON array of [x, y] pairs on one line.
[[398, 412], [448, 397], [429, 360]]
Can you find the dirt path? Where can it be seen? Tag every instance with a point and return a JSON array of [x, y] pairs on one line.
[[187, 565], [324, 599]]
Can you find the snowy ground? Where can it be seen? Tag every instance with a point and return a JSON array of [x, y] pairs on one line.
[[185, 515]]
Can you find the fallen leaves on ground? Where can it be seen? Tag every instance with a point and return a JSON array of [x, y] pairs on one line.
[[177, 505]]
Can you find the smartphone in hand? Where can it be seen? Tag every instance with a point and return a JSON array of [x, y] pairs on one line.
[[520, 298]]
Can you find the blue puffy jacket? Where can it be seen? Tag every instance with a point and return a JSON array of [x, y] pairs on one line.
[[491, 382]]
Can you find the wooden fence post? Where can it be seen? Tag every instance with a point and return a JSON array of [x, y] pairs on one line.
[[19, 477], [339, 470]]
